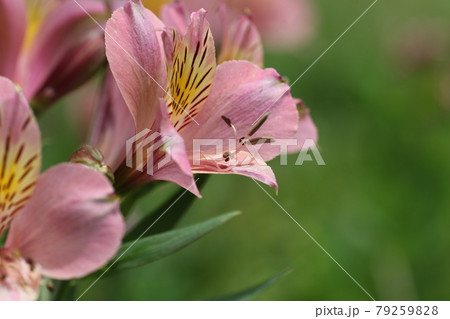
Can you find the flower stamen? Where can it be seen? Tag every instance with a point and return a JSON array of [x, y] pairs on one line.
[[260, 122], [260, 140], [230, 124]]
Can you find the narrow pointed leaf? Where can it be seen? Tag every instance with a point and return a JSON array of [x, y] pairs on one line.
[[254, 291], [152, 248]]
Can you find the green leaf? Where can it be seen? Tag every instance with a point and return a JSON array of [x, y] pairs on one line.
[[149, 249], [181, 202], [252, 292]]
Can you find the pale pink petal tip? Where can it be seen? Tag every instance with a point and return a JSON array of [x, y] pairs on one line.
[[135, 52]]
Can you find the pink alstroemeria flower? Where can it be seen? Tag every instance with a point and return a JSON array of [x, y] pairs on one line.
[[113, 121], [63, 224], [172, 85], [50, 47]]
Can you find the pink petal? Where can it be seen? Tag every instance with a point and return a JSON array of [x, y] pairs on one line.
[[307, 130], [67, 50], [262, 173], [176, 15], [20, 152], [241, 40], [283, 23], [71, 226], [134, 51], [12, 33], [171, 146], [243, 164], [192, 71], [113, 124], [214, 9], [244, 93], [179, 171]]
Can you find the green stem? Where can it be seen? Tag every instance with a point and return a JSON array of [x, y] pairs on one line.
[[133, 196], [64, 290]]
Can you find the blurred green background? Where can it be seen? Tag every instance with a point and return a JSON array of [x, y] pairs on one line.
[[381, 205]]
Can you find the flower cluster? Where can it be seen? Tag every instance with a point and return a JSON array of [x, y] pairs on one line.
[[167, 80]]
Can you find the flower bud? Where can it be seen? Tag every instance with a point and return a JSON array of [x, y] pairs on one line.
[[91, 157]]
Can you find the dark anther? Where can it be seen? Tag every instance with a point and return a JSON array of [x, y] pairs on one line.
[[226, 120], [30, 262], [258, 124], [261, 140]]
